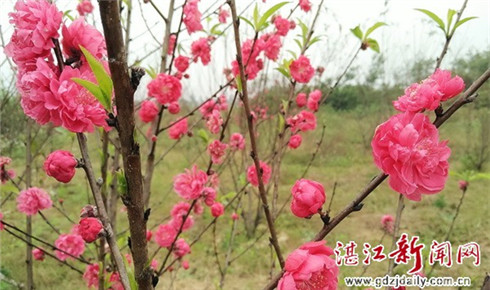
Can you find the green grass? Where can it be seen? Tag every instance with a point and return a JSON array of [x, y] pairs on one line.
[[344, 158]]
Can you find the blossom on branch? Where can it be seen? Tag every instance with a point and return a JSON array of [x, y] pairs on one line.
[[310, 267], [60, 165], [407, 148]]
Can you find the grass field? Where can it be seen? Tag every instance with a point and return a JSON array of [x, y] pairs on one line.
[[344, 158]]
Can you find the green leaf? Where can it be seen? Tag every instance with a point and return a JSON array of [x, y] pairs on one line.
[[292, 53], [151, 72], [227, 197], [102, 77], [282, 122], [268, 14], [373, 44], [434, 17], [357, 32], [298, 43], [314, 40], [247, 21], [284, 72], [203, 135], [122, 184], [256, 16], [304, 32], [238, 80], [214, 30], [94, 89], [373, 28], [67, 14], [462, 21], [450, 14], [285, 105]]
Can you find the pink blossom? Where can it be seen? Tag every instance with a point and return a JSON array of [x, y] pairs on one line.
[[115, 280], [38, 254], [90, 229], [387, 223], [91, 275], [234, 216], [171, 44], [448, 87], [178, 213], [252, 174], [185, 265], [209, 195], [36, 24], [85, 7], [32, 200], [89, 211], [189, 185], [80, 33], [37, 99], [178, 130], [149, 235], [214, 180], [303, 121], [295, 141], [214, 122], [282, 25], [198, 208], [315, 95], [165, 235], [154, 264], [301, 100], [181, 63], [200, 49], [301, 69], [308, 198], [407, 148], [173, 108], [208, 107], [272, 46], [430, 92], [312, 105], [2, 226], [305, 5], [250, 51], [237, 142], [222, 104], [310, 267], [71, 245], [223, 14], [217, 150], [5, 174], [192, 16], [419, 97], [76, 108], [217, 209], [177, 223], [61, 165], [181, 248], [165, 88], [148, 111], [463, 185]]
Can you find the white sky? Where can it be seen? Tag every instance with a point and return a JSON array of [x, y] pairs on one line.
[[409, 36]]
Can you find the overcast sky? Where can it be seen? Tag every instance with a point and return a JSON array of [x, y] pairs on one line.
[[409, 35]]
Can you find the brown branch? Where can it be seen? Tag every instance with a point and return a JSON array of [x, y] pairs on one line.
[[449, 36], [29, 265], [104, 218], [254, 153], [30, 244], [133, 199], [396, 230]]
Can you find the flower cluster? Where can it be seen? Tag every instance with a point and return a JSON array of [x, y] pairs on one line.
[[49, 94], [407, 146], [5, 174], [32, 200]]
